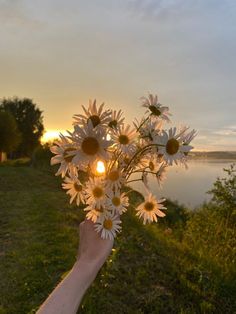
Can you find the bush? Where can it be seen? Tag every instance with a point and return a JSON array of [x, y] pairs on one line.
[[224, 196], [211, 231], [176, 215], [211, 238], [10, 136], [41, 157]]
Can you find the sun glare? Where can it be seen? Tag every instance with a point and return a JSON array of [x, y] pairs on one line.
[[51, 135], [100, 167]]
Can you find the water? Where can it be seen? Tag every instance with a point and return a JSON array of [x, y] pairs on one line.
[[189, 186]]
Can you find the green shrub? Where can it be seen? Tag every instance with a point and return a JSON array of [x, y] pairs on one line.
[[176, 215], [224, 195], [41, 157], [211, 238], [211, 230]]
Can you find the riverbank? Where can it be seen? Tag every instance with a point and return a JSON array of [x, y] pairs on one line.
[[223, 155]]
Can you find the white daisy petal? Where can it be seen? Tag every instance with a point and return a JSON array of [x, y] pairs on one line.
[[108, 225], [75, 189], [124, 139], [149, 210]]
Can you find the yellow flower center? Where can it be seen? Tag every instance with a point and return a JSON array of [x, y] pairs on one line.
[[68, 158], [95, 120], [98, 192], [90, 146], [113, 124], [123, 139], [116, 201], [107, 224], [78, 187], [114, 175], [172, 146], [151, 166], [148, 206], [155, 110]]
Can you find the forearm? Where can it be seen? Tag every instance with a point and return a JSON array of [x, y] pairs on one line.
[[66, 297], [93, 252]]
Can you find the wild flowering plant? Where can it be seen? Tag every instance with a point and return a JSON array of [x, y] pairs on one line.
[[111, 153]]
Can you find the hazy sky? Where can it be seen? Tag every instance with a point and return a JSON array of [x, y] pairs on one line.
[[61, 53]]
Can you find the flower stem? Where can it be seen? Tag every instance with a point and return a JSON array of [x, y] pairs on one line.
[[138, 153], [134, 180], [115, 160], [145, 120]]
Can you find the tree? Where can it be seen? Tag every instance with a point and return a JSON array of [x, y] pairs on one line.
[[9, 133], [224, 194], [29, 120]]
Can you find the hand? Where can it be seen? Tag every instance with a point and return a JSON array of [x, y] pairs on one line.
[[93, 252], [93, 249]]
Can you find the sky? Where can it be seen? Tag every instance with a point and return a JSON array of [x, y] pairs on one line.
[[63, 53]]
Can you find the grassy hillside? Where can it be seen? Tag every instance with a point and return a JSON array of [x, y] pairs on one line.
[[38, 237], [152, 269]]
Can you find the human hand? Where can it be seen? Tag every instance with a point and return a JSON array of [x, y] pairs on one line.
[[93, 250]]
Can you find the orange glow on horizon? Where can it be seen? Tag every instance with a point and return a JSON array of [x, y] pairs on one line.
[[51, 135]]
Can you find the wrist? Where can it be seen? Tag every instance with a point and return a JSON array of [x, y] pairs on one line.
[[90, 268]]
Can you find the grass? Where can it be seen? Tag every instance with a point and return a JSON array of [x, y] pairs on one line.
[[38, 237], [149, 271]]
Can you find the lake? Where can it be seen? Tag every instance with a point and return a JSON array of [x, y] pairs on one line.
[[189, 186]]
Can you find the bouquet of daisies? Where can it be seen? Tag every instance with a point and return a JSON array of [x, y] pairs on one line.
[[103, 155]]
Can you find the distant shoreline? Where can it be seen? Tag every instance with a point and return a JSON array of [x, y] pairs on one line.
[[213, 155]]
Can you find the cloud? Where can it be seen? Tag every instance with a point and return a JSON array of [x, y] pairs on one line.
[[227, 131], [15, 12], [160, 9], [216, 139]]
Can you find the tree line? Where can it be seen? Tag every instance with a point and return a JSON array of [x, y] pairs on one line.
[[21, 127]]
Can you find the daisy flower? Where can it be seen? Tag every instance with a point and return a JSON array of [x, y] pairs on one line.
[[94, 213], [148, 129], [161, 173], [150, 162], [149, 210], [75, 189], [157, 110], [116, 120], [124, 139], [172, 147], [95, 193], [155, 164], [187, 138], [64, 151], [108, 225], [118, 202], [115, 179], [92, 144], [96, 115]]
